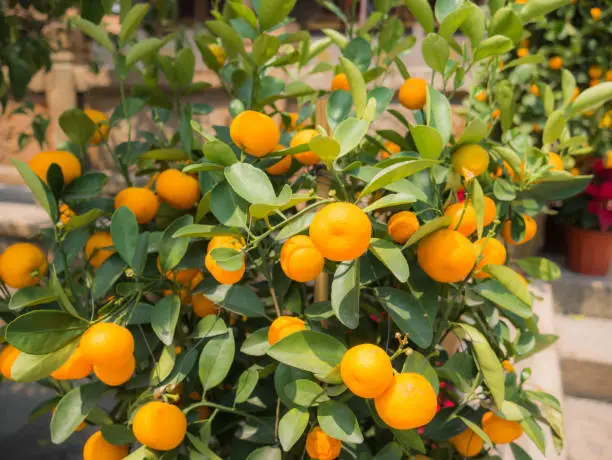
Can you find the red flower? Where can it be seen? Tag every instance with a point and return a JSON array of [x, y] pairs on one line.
[[601, 205]]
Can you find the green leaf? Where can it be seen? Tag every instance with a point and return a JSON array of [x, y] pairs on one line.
[[513, 411], [427, 229], [568, 85], [95, 32], [265, 47], [439, 116], [73, 409], [165, 155], [228, 258], [428, 141], [229, 208], [311, 351], [548, 98], [558, 186], [507, 23], [416, 362], [476, 429], [536, 8], [592, 98], [388, 201], [30, 368], [359, 52], [236, 298], [244, 12], [535, 433], [529, 59], [422, 12], [267, 452], [396, 172], [493, 46], [205, 231], [291, 427], [171, 249], [216, 360], [124, 231], [495, 292], [82, 220], [117, 435], [544, 398], [209, 326], [503, 190], [39, 190], [327, 149], [477, 196], [338, 107], [44, 331], [142, 50], [184, 66], [31, 296], [435, 52], [519, 453], [77, 126], [62, 298], [163, 368], [383, 97], [256, 343], [488, 362], [273, 12], [408, 313], [298, 225], [345, 293], [165, 317], [338, 421], [85, 187], [474, 25], [246, 384], [126, 110], [391, 256], [540, 268], [305, 393], [454, 20], [108, 273], [131, 22], [510, 280], [349, 134], [231, 40], [219, 152], [554, 126], [356, 84]]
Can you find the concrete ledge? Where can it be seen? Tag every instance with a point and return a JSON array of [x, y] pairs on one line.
[[587, 379], [21, 221], [575, 294], [588, 429]]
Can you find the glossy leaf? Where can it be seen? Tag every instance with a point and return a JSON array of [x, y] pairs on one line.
[[421, 10], [40, 192], [510, 280], [227, 206], [30, 368], [246, 384], [345, 293], [391, 256], [394, 173], [72, 410], [495, 292], [273, 12], [216, 359], [338, 421], [428, 141], [540, 268], [236, 298], [428, 228], [171, 249], [493, 46], [31, 296], [131, 22], [165, 317], [291, 427], [435, 52], [124, 231]]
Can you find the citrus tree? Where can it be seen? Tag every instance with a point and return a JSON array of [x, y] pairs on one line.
[[296, 283]]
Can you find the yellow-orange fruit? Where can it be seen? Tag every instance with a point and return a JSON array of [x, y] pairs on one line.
[[366, 370], [141, 201], [413, 93], [300, 260], [304, 137], [255, 133], [283, 326], [67, 162]]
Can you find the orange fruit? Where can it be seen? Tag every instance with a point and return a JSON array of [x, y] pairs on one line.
[[281, 166], [8, 356], [511, 174], [530, 230], [159, 425], [141, 201], [482, 96], [219, 53], [496, 114], [499, 430], [366, 370], [595, 72], [102, 125], [177, 189], [77, 367], [93, 248], [283, 326], [220, 274], [522, 52], [413, 93], [464, 218], [293, 126], [68, 163], [490, 210], [446, 256], [408, 402], [609, 75], [255, 133], [98, 448], [470, 160], [203, 306], [300, 260], [115, 375], [555, 161], [493, 253], [594, 83], [535, 90], [596, 13], [507, 365], [105, 343], [402, 225], [536, 128], [555, 62], [321, 446], [340, 82], [65, 213], [22, 265], [391, 147], [341, 231], [576, 93], [467, 443], [304, 137], [608, 160]]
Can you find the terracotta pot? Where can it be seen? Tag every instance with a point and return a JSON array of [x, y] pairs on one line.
[[589, 251]]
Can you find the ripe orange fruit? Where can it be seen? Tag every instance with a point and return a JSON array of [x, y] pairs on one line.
[[255, 133], [366, 370], [555, 161], [493, 253], [66, 213], [22, 265], [77, 367], [321, 446], [93, 248], [68, 163], [219, 53], [470, 160], [595, 72], [576, 93], [408, 402], [482, 96], [490, 210], [391, 147], [340, 82], [203, 306], [496, 114], [280, 167], [464, 218], [413, 93], [530, 230], [446, 256], [555, 62], [115, 374], [507, 365], [159, 425], [188, 278], [522, 52], [105, 343], [596, 13], [609, 75], [341, 231], [402, 225], [8, 356], [467, 443], [141, 201], [220, 274], [304, 137], [293, 126], [300, 260], [177, 189], [102, 125], [98, 448], [535, 90], [499, 430], [283, 326]]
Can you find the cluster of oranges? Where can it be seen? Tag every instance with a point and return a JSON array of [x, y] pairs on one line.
[[498, 429]]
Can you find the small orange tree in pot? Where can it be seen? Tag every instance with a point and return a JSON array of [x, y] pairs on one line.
[[190, 302]]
